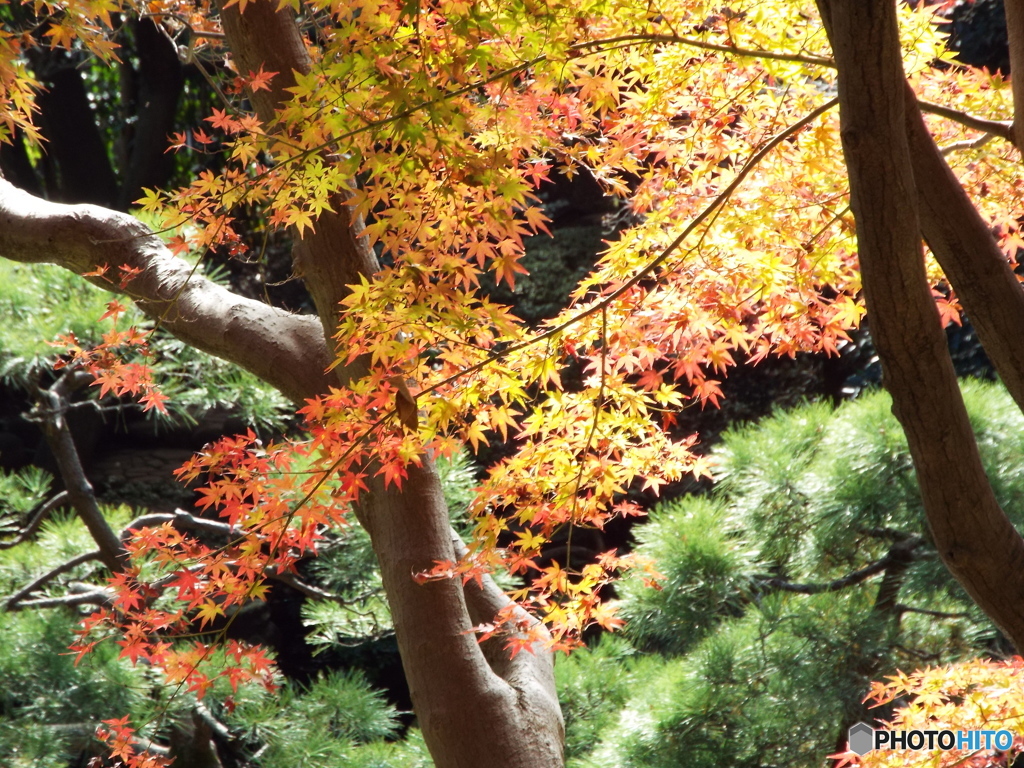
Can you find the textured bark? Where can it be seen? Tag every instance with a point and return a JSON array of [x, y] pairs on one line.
[[969, 255], [1015, 38], [972, 534], [472, 714]]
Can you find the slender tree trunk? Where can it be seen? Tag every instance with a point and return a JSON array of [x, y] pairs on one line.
[[972, 534], [160, 80], [1015, 37], [969, 255]]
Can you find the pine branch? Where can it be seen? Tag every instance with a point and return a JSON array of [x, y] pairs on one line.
[[900, 554], [37, 519], [13, 600]]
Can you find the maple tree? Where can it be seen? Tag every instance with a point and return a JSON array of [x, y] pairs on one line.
[[977, 695], [403, 146]]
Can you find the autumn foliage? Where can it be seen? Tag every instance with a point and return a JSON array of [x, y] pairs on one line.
[[438, 124], [972, 696]]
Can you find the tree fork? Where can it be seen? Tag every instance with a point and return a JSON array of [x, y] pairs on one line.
[[972, 534], [472, 714]]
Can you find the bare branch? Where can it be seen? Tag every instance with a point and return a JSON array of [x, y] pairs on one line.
[[1001, 128], [180, 519], [50, 411], [216, 726], [695, 42], [98, 597], [49, 576], [37, 520], [966, 144], [901, 608]]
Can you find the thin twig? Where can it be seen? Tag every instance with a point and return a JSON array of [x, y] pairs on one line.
[[901, 608]]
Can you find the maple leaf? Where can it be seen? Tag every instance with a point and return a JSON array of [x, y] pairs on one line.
[[154, 398], [208, 611], [259, 80], [519, 643], [221, 120]]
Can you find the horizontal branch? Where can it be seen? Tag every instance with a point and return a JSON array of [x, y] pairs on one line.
[[1001, 128], [901, 608], [898, 554], [180, 519], [49, 576], [695, 42], [286, 350], [37, 519], [97, 597]]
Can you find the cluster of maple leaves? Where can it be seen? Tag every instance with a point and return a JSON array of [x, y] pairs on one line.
[[713, 129], [975, 695]]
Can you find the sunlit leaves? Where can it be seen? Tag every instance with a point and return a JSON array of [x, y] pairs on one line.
[[437, 126], [970, 696]]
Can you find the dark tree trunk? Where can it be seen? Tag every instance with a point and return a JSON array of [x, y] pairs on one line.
[[160, 82], [80, 169]]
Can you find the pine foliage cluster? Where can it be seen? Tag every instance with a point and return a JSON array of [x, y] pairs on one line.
[[742, 656], [756, 649]]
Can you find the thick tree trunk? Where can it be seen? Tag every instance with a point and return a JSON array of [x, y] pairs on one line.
[[973, 535], [472, 713]]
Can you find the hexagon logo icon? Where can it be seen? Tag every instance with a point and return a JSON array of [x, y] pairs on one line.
[[861, 738]]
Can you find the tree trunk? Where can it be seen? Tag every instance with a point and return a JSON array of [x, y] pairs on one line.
[[972, 534], [477, 710], [969, 255], [160, 82], [471, 714], [79, 165]]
